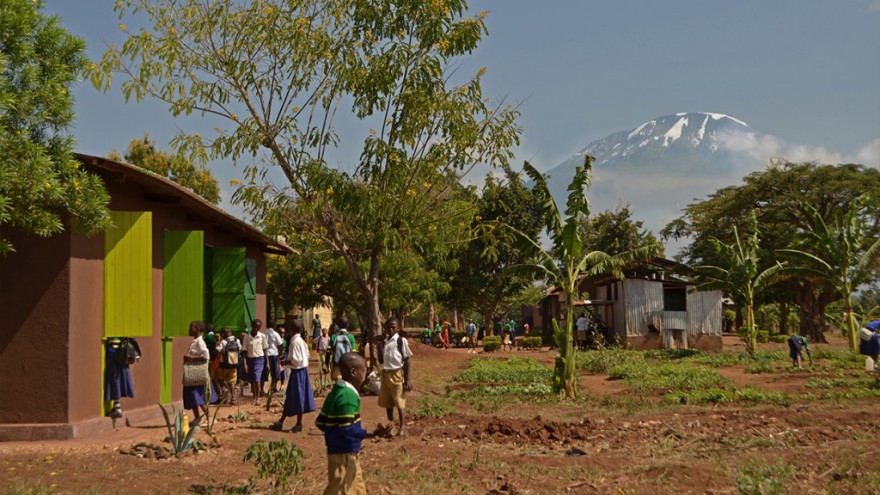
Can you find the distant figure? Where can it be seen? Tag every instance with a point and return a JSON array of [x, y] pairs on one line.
[[512, 327], [796, 345], [340, 420], [316, 328], [341, 343], [505, 339], [581, 333], [471, 330]]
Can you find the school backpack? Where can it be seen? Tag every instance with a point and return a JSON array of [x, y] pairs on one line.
[[128, 352], [341, 347], [231, 354]]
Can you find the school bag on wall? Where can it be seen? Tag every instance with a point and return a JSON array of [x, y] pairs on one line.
[[128, 353]]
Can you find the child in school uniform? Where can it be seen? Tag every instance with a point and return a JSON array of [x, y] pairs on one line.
[[505, 340], [340, 420]]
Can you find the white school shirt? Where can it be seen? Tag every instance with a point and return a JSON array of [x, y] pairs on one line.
[[391, 358], [298, 355], [273, 340], [255, 345], [198, 348], [581, 324]]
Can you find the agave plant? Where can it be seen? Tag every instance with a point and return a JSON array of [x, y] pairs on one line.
[[180, 437], [568, 259]]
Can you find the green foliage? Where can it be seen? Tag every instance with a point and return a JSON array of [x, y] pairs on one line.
[[776, 339], [762, 336], [492, 398], [760, 477], [677, 376], [273, 75], [739, 276], [843, 255], [511, 370], [491, 343], [615, 232], [432, 406], [143, 153], [277, 462], [180, 439], [40, 180], [532, 342], [603, 360], [777, 194]]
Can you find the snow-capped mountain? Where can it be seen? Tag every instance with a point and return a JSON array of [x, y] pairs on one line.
[[663, 164]]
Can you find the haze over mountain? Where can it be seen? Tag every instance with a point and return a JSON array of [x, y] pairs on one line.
[[662, 165]]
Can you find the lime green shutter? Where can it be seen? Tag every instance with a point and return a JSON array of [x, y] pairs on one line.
[[182, 281], [228, 301], [182, 293], [128, 282]]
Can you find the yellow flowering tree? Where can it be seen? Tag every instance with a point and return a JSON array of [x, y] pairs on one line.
[[278, 75]]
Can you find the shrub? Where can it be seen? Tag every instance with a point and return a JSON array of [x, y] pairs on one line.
[[432, 406], [512, 370], [763, 478], [532, 343], [763, 336], [276, 462], [491, 343], [779, 339], [602, 361]]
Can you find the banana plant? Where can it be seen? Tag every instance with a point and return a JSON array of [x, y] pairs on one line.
[[568, 260], [739, 278], [841, 255]]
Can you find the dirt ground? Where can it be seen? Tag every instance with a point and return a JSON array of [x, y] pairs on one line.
[[603, 445]]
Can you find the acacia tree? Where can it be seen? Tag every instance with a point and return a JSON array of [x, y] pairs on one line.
[[777, 195], [614, 231], [740, 276], [845, 256], [143, 153], [40, 180], [569, 259], [276, 73]]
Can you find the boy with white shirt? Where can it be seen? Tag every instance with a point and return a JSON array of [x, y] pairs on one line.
[[395, 373]]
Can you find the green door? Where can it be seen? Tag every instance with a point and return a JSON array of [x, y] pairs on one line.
[[182, 293], [227, 289], [250, 291]]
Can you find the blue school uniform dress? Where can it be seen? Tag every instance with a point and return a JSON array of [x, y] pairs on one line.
[[299, 397], [117, 377], [195, 396]]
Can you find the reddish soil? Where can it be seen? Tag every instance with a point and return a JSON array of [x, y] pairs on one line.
[[577, 447]]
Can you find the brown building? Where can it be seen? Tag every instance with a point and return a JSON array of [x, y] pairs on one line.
[[652, 307], [170, 258]]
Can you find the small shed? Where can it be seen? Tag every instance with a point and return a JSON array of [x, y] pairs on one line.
[[650, 308], [170, 258]]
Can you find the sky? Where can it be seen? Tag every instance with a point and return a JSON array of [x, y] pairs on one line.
[[804, 72]]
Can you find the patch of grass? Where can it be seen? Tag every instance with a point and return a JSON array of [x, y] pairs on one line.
[[763, 478], [672, 354], [512, 370], [432, 406], [674, 376], [490, 398], [717, 395], [601, 361]]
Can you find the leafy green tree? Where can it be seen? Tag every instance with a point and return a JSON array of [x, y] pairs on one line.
[[778, 195], [143, 153], [841, 255], [614, 231], [41, 183], [569, 259], [740, 276], [483, 284], [276, 74]]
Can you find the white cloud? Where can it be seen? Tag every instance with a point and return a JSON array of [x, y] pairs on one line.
[[870, 154], [875, 5], [766, 147]]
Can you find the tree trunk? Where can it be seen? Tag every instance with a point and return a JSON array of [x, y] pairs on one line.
[[783, 318], [751, 331], [455, 318], [811, 301], [486, 311], [852, 329], [431, 316]]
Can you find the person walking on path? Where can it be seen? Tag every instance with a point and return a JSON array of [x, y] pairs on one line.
[[195, 396], [341, 343], [340, 420], [316, 328], [227, 372], [255, 344], [299, 398], [471, 330], [273, 344], [395, 359]]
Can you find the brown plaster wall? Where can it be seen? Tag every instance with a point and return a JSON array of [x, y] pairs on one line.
[[705, 342], [34, 300], [652, 340], [86, 326]]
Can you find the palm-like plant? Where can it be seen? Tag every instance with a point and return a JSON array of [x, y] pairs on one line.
[[840, 255], [740, 277], [568, 259]]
